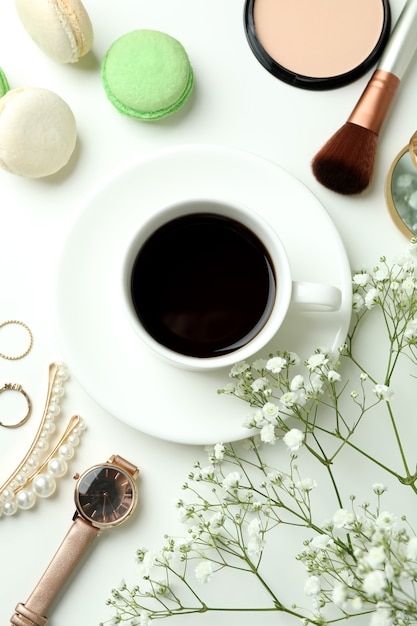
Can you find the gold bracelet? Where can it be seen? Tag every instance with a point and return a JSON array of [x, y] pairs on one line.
[[36, 475]]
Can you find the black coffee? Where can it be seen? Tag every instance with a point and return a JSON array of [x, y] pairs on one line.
[[203, 285]]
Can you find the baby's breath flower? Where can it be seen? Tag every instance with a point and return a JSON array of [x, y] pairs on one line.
[[260, 384], [216, 522], [333, 376], [306, 484], [259, 365], [255, 546], [375, 557], [146, 563], [374, 583], [231, 481], [383, 392], [204, 571], [144, 619], [239, 368], [356, 603], [372, 297], [254, 528], [228, 389], [382, 617], [315, 384], [312, 586], [270, 411], [411, 549], [316, 361], [410, 332], [268, 433], [251, 421], [276, 364], [358, 302], [343, 519], [385, 521], [321, 542], [219, 451], [381, 274], [409, 285], [297, 383], [361, 279], [289, 399], [379, 488], [293, 439], [340, 594], [293, 358], [274, 477]]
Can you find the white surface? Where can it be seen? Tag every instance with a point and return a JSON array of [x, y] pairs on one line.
[[237, 104], [90, 313]]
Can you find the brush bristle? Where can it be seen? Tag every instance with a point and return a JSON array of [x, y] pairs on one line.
[[346, 162]]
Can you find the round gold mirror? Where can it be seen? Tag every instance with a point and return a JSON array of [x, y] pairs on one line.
[[401, 189]]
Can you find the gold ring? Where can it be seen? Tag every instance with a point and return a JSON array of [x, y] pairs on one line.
[[19, 388], [19, 356]]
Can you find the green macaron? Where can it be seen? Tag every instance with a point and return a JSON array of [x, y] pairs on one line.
[[147, 74], [4, 85]]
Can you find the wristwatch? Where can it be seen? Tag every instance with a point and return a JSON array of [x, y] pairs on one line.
[[105, 496]]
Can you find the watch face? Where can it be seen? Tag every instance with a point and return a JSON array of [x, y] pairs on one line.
[[105, 495]]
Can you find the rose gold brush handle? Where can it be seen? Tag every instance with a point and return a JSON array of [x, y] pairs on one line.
[[375, 101]]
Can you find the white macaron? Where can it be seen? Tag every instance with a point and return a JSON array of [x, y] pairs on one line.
[[38, 132], [61, 28]]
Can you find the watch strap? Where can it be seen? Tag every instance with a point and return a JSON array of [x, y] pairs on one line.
[[116, 459], [66, 558]]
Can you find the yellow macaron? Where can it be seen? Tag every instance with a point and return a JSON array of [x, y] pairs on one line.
[[61, 28]]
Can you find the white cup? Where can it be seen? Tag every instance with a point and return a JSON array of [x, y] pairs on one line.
[[305, 295]]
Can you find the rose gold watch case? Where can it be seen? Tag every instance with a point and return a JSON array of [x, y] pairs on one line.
[[127, 504]]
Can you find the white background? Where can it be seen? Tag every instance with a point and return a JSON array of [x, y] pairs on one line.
[[235, 103]]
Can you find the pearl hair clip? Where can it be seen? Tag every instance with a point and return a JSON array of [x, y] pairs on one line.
[[35, 477]]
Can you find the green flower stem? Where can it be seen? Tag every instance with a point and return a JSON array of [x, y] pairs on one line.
[[401, 449]]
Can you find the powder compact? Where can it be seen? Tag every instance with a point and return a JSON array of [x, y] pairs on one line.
[[317, 44]]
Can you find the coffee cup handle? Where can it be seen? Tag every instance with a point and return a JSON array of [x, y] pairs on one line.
[[315, 296]]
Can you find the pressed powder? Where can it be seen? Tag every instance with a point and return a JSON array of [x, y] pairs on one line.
[[317, 44]]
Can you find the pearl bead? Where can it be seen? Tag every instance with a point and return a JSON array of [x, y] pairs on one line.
[[25, 499], [74, 440], [44, 485], [48, 428], [33, 462], [62, 374], [54, 409], [42, 445], [79, 430], [10, 508], [20, 479], [57, 467], [58, 390], [66, 452], [8, 494]]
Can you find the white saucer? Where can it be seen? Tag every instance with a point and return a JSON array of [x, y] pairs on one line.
[[100, 346]]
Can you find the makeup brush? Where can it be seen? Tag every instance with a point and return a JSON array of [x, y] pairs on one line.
[[345, 163]]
